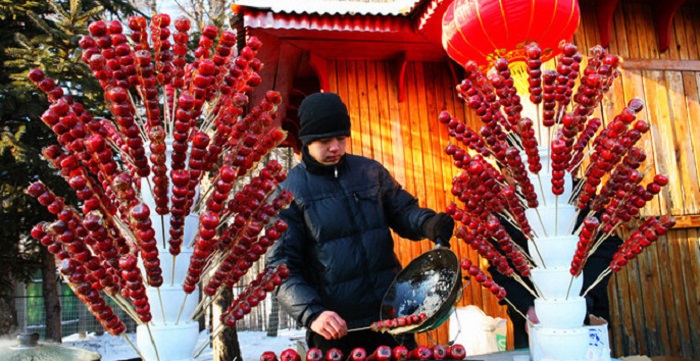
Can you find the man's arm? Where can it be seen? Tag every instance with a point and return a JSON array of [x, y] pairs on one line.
[[295, 294]]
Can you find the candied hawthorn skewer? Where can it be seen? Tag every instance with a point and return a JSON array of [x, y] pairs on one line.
[[381, 353], [481, 277], [534, 72], [313, 354], [334, 354], [398, 353], [357, 354]]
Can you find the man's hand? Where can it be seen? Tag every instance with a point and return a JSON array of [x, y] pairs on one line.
[[439, 226], [329, 325], [532, 317]]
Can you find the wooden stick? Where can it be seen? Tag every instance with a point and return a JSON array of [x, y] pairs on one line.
[[162, 309], [541, 222], [522, 282], [182, 307], [132, 345], [153, 342], [573, 222], [544, 199], [214, 335], [556, 216], [172, 272], [598, 280], [571, 282], [537, 250]]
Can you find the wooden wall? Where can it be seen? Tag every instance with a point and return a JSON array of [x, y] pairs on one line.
[[656, 299]]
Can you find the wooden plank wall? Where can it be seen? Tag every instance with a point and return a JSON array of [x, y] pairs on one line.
[[656, 299]]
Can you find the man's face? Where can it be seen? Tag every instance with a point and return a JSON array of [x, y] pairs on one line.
[[328, 151]]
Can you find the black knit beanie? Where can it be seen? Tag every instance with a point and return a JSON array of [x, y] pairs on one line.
[[323, 115]]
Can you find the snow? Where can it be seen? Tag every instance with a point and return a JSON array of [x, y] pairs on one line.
[[252, 343]]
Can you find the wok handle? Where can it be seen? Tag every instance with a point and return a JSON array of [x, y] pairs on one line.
[[440, 243]]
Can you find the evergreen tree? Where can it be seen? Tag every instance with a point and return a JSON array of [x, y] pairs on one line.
[[44, 34]]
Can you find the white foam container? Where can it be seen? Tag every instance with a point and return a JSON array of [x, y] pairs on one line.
[[554, 282], [565, 344], [561, 312], [553, 251], [174, 342], [172, 297], [551, 221]]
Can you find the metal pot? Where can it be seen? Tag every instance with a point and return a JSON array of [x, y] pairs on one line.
[[29, 349], [430, 284]]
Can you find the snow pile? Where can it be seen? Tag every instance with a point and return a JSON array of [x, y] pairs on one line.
[[253, 344]]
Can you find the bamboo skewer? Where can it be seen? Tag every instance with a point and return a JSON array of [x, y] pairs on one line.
[[214, 335], [162, 309], [155, 348], [132, 345]]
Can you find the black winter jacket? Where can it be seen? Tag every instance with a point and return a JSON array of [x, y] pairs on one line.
[[338, 246]]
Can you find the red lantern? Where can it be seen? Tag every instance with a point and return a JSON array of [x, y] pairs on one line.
[[485, 30]]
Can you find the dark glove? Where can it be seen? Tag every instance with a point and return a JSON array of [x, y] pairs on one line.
[[439, 226]]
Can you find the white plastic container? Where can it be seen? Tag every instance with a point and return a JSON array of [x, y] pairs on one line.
[[175, 342], [551, 221], [554, 282], [568, 344], [560, 312], [553, 251]]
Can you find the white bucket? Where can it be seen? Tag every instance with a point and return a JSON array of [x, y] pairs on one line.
[[553, 251], [560, 312], [556, 220], [563, 344], [175, 342], [554, 282], [172, 297]]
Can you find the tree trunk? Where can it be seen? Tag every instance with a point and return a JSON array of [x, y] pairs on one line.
[[226, 347], [52, 305], [8, 314]]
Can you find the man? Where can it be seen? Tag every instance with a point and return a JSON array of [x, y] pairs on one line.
[[339, 246]]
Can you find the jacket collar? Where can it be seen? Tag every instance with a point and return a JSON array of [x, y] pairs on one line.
[[313, 166]]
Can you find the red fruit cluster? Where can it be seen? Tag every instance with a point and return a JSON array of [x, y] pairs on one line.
[[254, 293], [473, 236], [561, 156], [525, 129], [610, 146], [534, 73], [481, 277], [464, 135], [585, 242], [403, 321], [504, 87], [519, 173], [135, 74], [495, 230], [583, 140], [76, 275], [382, 353], [134, 288], [642, 237], [478, 186]]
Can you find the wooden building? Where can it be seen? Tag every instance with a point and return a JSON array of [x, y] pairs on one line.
[[385, 60]]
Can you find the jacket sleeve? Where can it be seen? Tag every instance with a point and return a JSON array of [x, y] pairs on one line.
[[295, 294], [401, 209]]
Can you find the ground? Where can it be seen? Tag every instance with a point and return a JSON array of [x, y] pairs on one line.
[[253, 344]]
